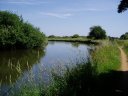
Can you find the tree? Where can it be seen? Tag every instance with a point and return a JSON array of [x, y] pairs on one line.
[[124, 36], [123, 6], [96, 32], [15, 33], [75, 36], [51, 36]]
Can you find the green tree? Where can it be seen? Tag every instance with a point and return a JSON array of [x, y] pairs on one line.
[[75, 36], [51, 36], [123, 6], [96, 32], [15, 33], [124, 36]]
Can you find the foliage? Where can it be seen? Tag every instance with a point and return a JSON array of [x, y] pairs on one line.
[[92, 78], [77, 81], [75, 36], [15, 33], [123, 6], [51, 36], [96, 32], [89, 78], [124, 36], [106, 58], [124, 44]]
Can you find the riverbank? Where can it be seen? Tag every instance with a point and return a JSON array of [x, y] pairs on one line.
[[94, 78], [106, 57], [69, 39], [97, 77]]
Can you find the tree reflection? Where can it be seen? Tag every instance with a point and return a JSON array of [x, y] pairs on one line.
[[75, 44], [14, 63]]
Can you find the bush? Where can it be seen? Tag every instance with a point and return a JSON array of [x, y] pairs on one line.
[[75, 36], [15, 33], [51, 36]]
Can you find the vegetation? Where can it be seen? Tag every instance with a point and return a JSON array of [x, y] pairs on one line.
[[123, 44], [77, 81], [80, 39], [89, 78], [51, 36], [106, 57], [75, 36], [96, 32], [67, 39], [15, 33], [123, 6], [124, 36], [97, 77]]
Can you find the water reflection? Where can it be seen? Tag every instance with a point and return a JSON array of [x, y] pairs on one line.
[[17, 66], [14, 63], [75, 44]]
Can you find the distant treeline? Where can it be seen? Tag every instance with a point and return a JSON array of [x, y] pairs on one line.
[[16, 33], [96, 32], [74, 36]]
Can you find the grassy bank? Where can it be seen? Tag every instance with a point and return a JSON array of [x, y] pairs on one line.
[[89, 79], [97, 77], [124, 44], [106, 57], [69, 39]]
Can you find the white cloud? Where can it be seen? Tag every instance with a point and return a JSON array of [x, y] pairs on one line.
[[27, 2], [58, 15], [83, 9]]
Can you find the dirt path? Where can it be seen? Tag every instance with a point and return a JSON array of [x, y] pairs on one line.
[[124, 60]]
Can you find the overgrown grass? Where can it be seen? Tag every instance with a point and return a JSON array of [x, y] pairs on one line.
[[106, 58], [78, 81], [95, 78], [92, 78], [123, 44]]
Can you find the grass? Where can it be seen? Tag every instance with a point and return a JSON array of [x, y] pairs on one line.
[[97, 77], [124, 44], [106, 57], [92, 78], [86, 79], [70, 39], [75, 82], [67, 39]]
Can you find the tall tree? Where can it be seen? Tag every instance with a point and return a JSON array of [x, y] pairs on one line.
[[124, 36], [123, 6], [96, 32]]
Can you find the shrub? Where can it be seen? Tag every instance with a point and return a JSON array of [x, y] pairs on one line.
[[75, 36], [51, 36], [15, 33]]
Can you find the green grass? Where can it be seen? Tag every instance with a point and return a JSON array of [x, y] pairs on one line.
[[67, 39], [124, 44], [75, 82], [106, 58], [88, 79], [91, 78], [79, 39]]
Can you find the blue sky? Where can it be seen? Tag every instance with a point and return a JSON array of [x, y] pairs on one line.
[[68, 17]]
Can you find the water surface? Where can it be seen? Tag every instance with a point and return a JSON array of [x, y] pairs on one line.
[[17, 65]]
